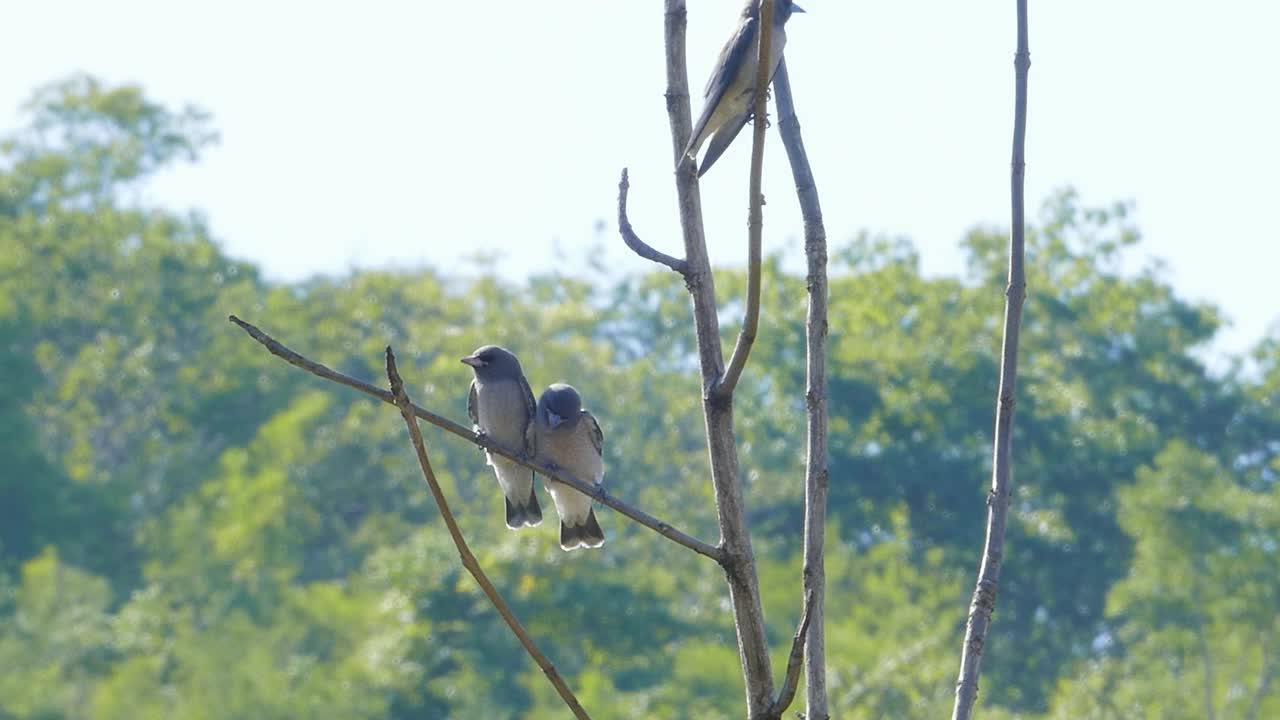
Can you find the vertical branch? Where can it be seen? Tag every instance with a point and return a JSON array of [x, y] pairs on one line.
[[816, 474], [464, 552], [755, 213], [738, 558], [984, 594]]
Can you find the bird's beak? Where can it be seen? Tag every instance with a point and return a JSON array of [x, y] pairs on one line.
[[554, 420], [796, 8], [473, 361]]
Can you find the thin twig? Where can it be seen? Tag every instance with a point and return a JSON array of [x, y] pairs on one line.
[[984, 593], [755, 214], [633, 241], [596, 492], [795, 660], [407, 411], [816, 470]]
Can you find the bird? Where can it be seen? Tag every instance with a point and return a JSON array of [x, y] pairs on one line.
[[730, 93], [500, 404], [568, 437]]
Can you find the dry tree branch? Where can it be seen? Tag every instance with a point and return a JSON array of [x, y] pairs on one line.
[[735, 539], [795, 660], [984, 594], [633, 241], [407, 411], [596, 492], [817, 473], [755, 213]]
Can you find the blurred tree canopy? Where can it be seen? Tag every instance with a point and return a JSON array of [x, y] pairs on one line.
[[191, 529]]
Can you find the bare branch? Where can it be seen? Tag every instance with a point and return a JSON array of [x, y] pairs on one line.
[[755, 213], [984, 593], [816, 474], [407, 411], [794, 661], [735, 539], [596, 492], [633, 241]]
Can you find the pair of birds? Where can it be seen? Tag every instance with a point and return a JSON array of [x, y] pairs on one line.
[[730, 93], [555, 430]]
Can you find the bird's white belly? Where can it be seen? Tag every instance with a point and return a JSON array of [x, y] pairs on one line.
[[503, 413]]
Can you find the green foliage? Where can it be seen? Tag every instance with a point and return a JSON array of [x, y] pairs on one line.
[[191, 529]]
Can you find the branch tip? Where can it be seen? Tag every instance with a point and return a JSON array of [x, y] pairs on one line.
[[633, 240]]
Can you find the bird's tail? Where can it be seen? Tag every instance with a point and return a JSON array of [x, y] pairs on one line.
[[527, 514], [588, 534], [721, 140]]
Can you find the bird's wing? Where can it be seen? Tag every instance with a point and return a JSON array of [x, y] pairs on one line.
[[530, 410], [597, 436], [730, 61], [473, 406]]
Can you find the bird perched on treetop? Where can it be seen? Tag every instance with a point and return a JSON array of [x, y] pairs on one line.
[[568, 437], [501, 406], [730, 93]]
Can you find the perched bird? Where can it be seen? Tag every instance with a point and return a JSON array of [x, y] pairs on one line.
[[501, 406], [568, 437], [730, 92]]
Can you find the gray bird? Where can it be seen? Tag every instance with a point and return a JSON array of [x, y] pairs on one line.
[[568, 437], [501, 406], [730, 92]]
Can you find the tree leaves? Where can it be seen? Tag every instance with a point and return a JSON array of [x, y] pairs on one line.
[[187, 530]]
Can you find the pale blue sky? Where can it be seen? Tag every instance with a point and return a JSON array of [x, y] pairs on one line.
[[402, 133]]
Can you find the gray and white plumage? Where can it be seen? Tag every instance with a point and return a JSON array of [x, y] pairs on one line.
[[730, 93], [568, 437], [501, 406]]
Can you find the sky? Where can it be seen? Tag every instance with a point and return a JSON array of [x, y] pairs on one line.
[[402, 134]]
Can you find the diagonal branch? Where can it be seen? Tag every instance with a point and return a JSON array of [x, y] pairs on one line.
[[633, 241], [755, 214], [817, 474], [984, 593], [794, 661], [407, 411], [596, 492]]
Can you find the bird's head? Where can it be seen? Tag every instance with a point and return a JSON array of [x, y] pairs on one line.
[[783, 9], [560, 406], [491, 362]]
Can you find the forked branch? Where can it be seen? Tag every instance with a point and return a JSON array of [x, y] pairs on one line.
[[722, 452], [795, 661], [408, 412]]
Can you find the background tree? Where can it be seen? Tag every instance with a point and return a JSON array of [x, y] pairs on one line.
[[181, 519]]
